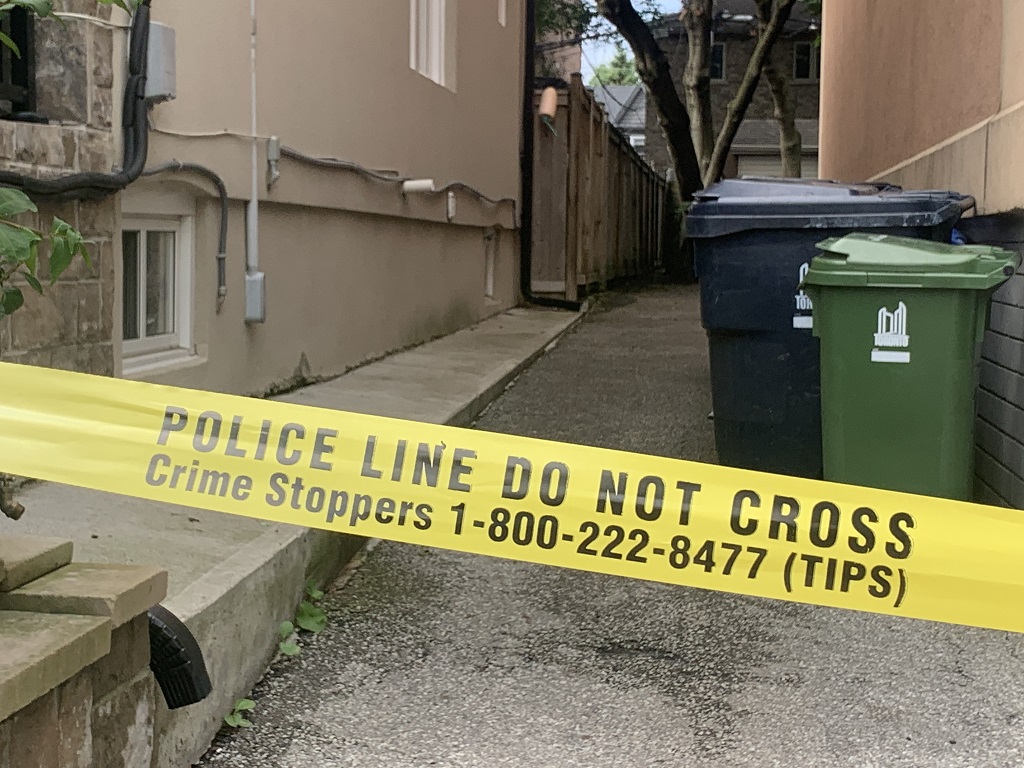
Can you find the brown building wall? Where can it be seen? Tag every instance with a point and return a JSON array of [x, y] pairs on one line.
[[737, 55], [900, 77]]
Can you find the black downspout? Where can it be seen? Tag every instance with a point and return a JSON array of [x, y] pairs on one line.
[[526, 171]]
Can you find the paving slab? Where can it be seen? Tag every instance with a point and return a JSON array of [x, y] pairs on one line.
[[42, 651], [117, 592]]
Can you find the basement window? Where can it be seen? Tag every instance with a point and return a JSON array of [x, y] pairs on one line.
[[157, 285], [718, 61], [806, 62], [17, 73]]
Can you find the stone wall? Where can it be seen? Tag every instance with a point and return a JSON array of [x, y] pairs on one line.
[[737, 55], [76, 690], [71, 326]]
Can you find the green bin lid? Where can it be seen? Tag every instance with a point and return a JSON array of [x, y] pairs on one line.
[[861, 259]]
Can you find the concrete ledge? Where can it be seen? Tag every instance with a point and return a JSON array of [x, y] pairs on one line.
[[42, 651], [26, 558], [117, 592]]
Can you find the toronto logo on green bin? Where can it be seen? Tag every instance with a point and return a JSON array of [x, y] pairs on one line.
[[891, 338], [804, 306]]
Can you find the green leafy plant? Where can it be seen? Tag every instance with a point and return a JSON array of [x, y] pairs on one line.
[[287, 646], [19, 249], [310, 616], [236, 718]]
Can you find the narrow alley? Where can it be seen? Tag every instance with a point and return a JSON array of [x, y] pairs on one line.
[[435, 658]]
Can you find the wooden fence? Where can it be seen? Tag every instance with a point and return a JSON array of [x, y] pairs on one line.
[[598, 207]]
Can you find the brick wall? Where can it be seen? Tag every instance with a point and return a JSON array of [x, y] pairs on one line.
[[1000, 425], [71, 326], [737, 55]]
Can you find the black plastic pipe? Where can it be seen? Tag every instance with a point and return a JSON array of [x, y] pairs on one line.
[[526, 170], [136, 133], [175, 166]]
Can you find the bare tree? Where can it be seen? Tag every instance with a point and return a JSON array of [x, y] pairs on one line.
[[698, 160], [745, 93], [654, 70]]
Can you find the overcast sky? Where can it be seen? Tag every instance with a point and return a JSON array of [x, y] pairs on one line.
[[597, 54]]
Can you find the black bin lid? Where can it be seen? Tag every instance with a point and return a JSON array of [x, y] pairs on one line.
[[740, 205]]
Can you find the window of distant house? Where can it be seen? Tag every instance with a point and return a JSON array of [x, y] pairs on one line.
[[806, 62], [157, 285], [432, 40], [638, 142], [718, 61], [17, 76]]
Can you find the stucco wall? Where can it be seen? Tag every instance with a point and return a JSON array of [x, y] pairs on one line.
[[354, 268], [900, 77]]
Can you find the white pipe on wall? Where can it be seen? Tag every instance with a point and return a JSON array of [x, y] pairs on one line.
[[255, 293]]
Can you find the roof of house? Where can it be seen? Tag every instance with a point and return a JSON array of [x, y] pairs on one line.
[[626, 106], [734, 17]]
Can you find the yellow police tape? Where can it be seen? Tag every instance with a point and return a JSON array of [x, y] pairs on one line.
[[573, 506]]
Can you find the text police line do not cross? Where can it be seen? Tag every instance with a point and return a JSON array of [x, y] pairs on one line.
[[421, 464], [595, 509]]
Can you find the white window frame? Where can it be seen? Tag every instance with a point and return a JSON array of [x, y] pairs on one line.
[[638, 141], [814, 62], [725, 53], [427, 38], [183, 228]]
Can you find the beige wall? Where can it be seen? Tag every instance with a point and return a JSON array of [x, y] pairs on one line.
[[900, 77], [354, 269], [968, 135]]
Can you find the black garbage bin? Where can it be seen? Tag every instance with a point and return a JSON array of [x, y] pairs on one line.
[[753, 240]]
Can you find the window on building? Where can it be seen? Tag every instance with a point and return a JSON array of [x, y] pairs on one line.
[[638, 142], [806, 62], [156, 286], [718, 61], [432, 39], [17, 73]]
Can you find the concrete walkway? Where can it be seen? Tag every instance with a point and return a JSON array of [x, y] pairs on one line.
[[233, 579], [446, 381], [436, 658]]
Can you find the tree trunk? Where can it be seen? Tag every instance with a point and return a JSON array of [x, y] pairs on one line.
[[790, 141], [696, 18], [745, 93], [653, 68]]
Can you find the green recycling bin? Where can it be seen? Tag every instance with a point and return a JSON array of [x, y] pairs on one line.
[[901, 322]]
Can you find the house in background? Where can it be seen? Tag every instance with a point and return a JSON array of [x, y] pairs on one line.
[[330, 259], [626, 106], [755, 151], [899, 105]]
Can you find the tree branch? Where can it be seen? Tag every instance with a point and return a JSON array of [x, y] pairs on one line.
[[653, 68], [696, 17], [745, 93], [790, 141]]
